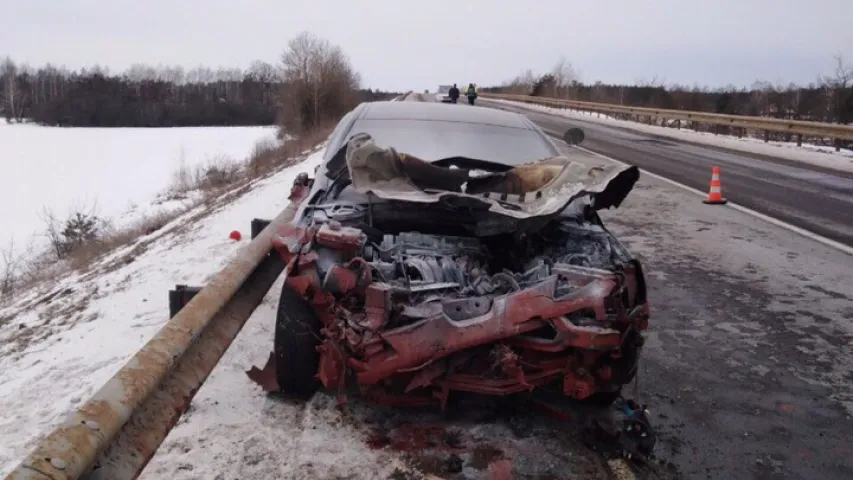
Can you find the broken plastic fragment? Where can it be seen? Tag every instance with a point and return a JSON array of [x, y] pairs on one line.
[[265, 377]]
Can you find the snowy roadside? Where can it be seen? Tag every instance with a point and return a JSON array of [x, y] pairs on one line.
[[234, 430], [56, 350], [825, 157]]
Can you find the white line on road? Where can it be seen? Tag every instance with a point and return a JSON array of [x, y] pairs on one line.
[[775, 221]]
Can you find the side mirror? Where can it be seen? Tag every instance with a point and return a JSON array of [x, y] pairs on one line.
[[573, 136]]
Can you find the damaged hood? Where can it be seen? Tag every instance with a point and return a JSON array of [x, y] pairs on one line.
[[531, 190]]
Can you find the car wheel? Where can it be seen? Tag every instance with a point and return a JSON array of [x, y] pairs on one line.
[[297, 334]]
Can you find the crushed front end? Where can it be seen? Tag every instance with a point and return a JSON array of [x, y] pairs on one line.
[[420, 315], [485, 306]]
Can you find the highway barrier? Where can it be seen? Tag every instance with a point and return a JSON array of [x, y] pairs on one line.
[[115, 433], [800, 128]]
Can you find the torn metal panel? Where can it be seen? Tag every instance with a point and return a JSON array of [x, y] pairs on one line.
[[526, 191]]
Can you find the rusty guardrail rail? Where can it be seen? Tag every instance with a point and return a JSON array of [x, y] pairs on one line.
[[115, 433], [797, 127]]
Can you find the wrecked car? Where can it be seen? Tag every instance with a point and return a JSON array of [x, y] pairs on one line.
[[439, 249]]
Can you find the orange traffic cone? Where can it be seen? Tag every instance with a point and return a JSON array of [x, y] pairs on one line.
[[715, 195]]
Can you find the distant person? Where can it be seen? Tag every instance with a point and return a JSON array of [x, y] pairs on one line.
[[471, 93], [453, 93]]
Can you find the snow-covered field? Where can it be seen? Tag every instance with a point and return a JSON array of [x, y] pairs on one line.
[[117, 171], [54, 355], [811, 154]]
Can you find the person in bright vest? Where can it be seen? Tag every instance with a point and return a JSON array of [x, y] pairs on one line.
[[471, 93]]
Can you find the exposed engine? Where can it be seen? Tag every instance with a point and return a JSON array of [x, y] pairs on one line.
[[439, 268], [414, 311], [455, 267]]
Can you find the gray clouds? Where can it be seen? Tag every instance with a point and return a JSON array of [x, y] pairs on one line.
[[407, 44]]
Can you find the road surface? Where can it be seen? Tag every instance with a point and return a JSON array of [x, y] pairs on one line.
[[747, 368], [816, 199]]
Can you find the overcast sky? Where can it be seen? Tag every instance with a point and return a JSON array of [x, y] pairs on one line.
[[408, 44]]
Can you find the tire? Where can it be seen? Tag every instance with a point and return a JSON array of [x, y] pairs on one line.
[[297, 334]]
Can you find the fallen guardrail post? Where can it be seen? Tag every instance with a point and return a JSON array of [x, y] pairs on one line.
[[115, 433]]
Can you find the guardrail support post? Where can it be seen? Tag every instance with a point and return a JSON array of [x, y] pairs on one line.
[[800, 140], [766, 136], [258, 226], [179, 297]]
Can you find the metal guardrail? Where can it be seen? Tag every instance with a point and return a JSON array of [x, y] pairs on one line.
[[796, 127], [402, 97], [115, 433]]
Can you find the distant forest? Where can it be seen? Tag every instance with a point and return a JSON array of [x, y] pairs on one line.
[[828, 99], [145, 96]]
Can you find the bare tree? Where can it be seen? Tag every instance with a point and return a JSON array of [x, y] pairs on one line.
[[319, 83], [262, 72], [175, 75], [9, 76], [200, 75], [564, 75], [522, 84], [9, 264], [839, 92], [266, 75], [53, 231]]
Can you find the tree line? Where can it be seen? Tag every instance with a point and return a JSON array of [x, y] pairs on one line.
[[828, 99], [170, 96]]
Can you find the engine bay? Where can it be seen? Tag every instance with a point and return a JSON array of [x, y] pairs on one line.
[[432, 270]]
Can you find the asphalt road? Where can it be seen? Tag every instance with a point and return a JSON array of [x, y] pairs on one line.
[[747, 368], [813, 198]]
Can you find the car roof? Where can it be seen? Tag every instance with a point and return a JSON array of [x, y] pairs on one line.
[[387, 110]]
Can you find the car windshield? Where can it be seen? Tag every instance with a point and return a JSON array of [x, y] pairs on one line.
[[432, 140]]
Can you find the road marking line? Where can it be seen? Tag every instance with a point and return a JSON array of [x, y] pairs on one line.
[[775, 221]]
